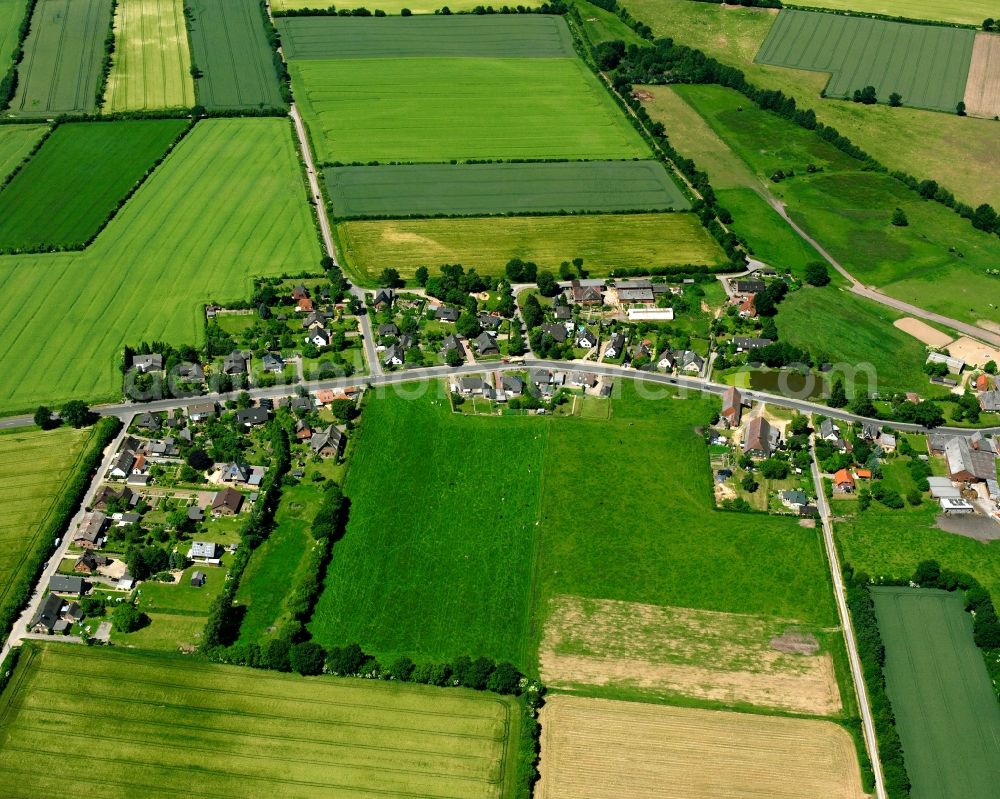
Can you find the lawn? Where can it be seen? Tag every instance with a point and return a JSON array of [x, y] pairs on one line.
[[230, 48], [436, 561], [946, 711], [225, 206], [438, 109], [151, 65], [152, 722], [432, 189], [968, 12], [274, 567], [390, 6], [468, 36], [927, 65], [16, 142], [62, 58], [849, 212], [959, 152], [605, 242], [69, 188], [34, 466]]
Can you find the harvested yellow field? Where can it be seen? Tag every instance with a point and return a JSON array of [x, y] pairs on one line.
[[665, 651], [603, 749], [982, 91], [922, 331]]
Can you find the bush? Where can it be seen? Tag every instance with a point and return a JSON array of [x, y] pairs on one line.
[[817, 274], [307, 658], [127, 618]]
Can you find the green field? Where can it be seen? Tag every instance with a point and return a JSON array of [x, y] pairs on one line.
[[34, 466], [946, 711], [229, 46], [436, 560], [266, 582], [61, 68], [959, 152], [967, 12], [430, 189], [600, 25], [389, 6], [468, 36], [16, 141], [605, 242], [151, 66], [927, 65], [162, 725], [849, 210], [75, 181], [226, 205], [438, 109], [11, 14]]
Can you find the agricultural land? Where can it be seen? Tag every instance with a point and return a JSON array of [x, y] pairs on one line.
[[604, 750], [11, 14], [430, 189], [945, 706], [927, 65], [33, 467], [16, 143], [389, 6], [66, 192], [61, 68], [151, 67], [968, 12], [958, 152], [982, 92], [159, 718], [604, 241], [230, 48], [184, 219]]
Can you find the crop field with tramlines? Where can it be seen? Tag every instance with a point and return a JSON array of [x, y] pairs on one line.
[[429, 189], [152, 66], [927, 65], [604, 241], [33, 467], [11, 14], [229, 47], [62, 196], [162, 725], [226, 205], [16, 142], [61, 67], [966, 12]]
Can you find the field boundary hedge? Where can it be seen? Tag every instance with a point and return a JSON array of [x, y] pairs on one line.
[[108, 61], [556, 7], [840, 12], [57, 519], [8, 84]]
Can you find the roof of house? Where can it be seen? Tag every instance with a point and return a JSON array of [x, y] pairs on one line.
[[863, 474], [562, 312], [512, 383], [450, 342], [252, 415], [383, 296], [447, 314], [962, 458], [616, 343], [485, 343], [234, 363], [843, 477], [48, 612], [203, 549], [272, 359], [235, 471], [152, 361], [388, 330], [489, 321], [65, 584], [90, 526], [558, 332], [732, 402], [759, 436], [990, 400], [749, 286], [588, 337], [746, 343], [471, 384], [794, 497], [201, 409], [329, 437], [393, 354], [228, 498], [827, 428]]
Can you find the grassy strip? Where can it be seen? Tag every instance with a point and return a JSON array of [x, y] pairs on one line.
[[8, 84], [7, 667], [58, 519]]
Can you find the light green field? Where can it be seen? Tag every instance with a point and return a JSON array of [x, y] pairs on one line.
[[960, 153], [605, 242], [16, 142], [966, 12], [226, 205], [162, 725], [33, 467], [151, 65], [391, 6], [11, 14], [438, 109]]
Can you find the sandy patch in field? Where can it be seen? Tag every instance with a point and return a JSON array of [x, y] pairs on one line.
[[987, 324], [973, 352], [725, 657], [603, 749], [982, 91], [922, 331]]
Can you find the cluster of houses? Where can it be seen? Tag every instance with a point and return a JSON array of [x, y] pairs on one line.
[[983, 384], [541, 383]]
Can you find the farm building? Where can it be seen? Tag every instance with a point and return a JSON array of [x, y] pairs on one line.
[[955, 365], [587, 292], [942, 487], [951, 505], [732, 407], [761, 438], [968, 464], [990, 401]]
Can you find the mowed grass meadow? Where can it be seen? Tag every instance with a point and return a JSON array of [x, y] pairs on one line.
[[927, 65], [34, 465], [945, 707], [75, 181], [430, 189], [151, 66], [162, 725], [604, 241], [225, 206], [438, 109], [229, 46], [61, 67]]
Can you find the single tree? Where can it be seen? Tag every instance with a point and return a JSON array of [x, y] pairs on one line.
[[421, 275], [547, 284], [77, 413], [453, 357], [899, 218], [895, 99], [749, 484], [817, 274], [390, 278], [127, 618], [43, 418], [838, 395], [960, 108]]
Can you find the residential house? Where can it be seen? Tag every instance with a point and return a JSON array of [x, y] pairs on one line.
[[843, 482], [747, 308], [490, 322], [201, 411], [315, 319], [990, 401], [88, 534], [235, 473], [828, 431], [204, 552], [302, 430], [471, 385], [690, 362], [153, 362], [109, 495], [760, 439], [794, 499], [587, 339], [227, 502], [272, 362], [305, 305], [984, 382], [512, 385], [48, 619], [887, 442], [388, 330], [122, 467], [319, 337], [235, 363], [745, 344], [189, 373], [586, 294], [383, 298], [147, 421], [558, 332], [666, 361], [300, 292], [486, 345], [328, 443], [732, 407], [394, 356], [195, 513], [89, 563], [616, 346], [642, 349], [64, 584], [251, 417], [447, 314], [158, 449], [540, 377], [750, 286], [451, 342], [870, 431], [562, 313]]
